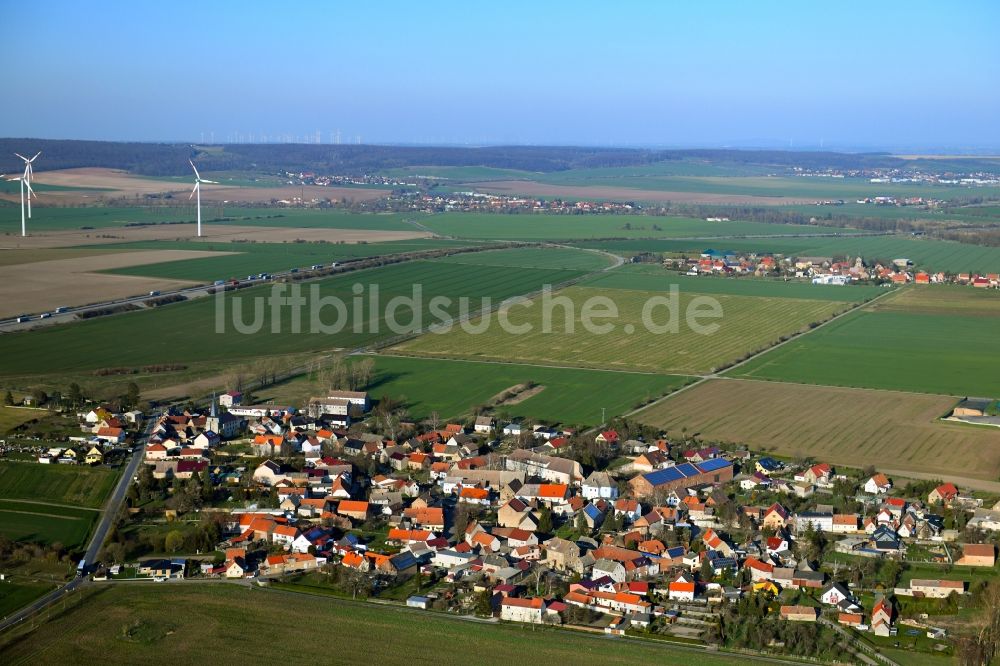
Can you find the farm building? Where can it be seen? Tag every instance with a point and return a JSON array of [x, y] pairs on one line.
[[682, 476]]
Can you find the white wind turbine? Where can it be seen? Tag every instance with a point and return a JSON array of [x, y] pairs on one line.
[[198, 180], [31, 193], [29, 173]]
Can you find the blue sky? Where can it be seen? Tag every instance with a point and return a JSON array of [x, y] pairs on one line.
[[847, 74]]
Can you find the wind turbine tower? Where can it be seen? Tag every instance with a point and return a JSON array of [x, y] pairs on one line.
[[24, 184], [29, 173], [198, 180]]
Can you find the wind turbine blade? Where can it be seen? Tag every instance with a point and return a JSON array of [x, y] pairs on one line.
[[193, 191], [213, 182], [22, 157], [36, 156], [196, 174], [31, 192]]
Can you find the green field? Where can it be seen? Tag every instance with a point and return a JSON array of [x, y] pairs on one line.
[[453, 388], [126, 624], [920, 340], [932, 255], [187, 332], [15, 595], [469, 174], [252, 258], [534, 257], [46, 523], [656, 278], [569, 227], [849, 189], [11, 417], [98, 217], [748, 323], [62, 484]]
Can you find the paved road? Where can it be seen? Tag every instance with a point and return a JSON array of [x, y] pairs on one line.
[[111, 509]]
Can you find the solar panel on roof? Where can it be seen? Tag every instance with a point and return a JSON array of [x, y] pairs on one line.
[[687, 469], [713, 464]]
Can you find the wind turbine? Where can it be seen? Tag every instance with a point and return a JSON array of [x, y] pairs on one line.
[[31, 193], [29, 173], [198, 180]]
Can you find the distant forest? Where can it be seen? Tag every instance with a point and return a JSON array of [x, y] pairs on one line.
[[166, 159]]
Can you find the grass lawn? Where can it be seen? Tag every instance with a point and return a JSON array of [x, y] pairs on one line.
[[44, 523], [453, 388], [76, 485], [188, 331], [126, 624], [748, 323], [947, 347], [11, 417]]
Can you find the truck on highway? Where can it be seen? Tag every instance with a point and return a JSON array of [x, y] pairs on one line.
[[23, 318], [61, 309], [81, 568]]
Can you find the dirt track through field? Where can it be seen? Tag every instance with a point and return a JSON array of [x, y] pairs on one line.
[[46, 285], [531, 188]]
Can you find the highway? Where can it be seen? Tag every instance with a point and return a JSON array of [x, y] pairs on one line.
[[111, 509]]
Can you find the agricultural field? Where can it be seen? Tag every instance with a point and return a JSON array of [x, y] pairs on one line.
[[73, 485], [126, 625], [253, 258], [920, 339], [187, 332], [11, 417], [656, 278], [927, 254], [534, 257], [454, 388], [47, 218], [568, 227], [760, 186], [41, 523], [748, 323], [897, 432], [17, 595]]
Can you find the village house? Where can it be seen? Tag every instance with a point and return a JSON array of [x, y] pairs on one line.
[[549, 468], [678, 477], [798, 613], [530, 610]]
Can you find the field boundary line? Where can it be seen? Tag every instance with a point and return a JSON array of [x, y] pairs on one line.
[[724, 374], [55, 504]]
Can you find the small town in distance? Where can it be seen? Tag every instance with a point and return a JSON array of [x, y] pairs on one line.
[[632, 334]]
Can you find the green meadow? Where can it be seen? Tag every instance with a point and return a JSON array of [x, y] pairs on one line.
[[61, 484], [126, 624], [45, 523], [454, 388], [950, 349]]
